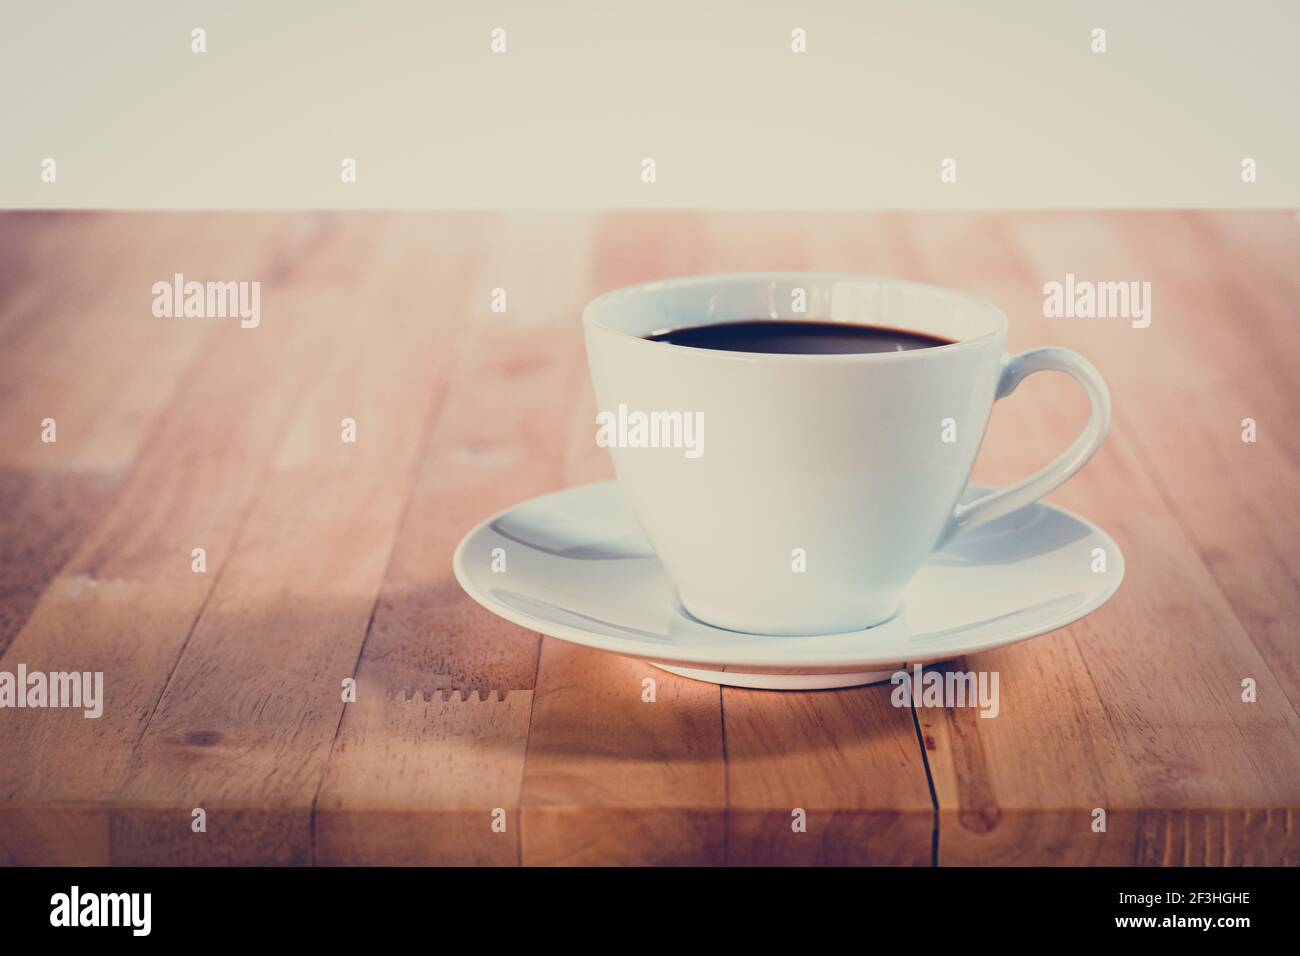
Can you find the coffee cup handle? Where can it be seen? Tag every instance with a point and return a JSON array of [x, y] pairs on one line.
[[1014, 369]]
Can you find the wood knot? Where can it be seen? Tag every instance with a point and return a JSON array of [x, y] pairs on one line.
[[203, 738]]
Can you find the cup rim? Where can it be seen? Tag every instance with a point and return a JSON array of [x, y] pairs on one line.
[[591, 316]]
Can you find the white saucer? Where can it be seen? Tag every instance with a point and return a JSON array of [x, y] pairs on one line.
[[578, 567]]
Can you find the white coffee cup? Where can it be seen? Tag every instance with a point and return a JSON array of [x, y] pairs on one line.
[[819, 483]]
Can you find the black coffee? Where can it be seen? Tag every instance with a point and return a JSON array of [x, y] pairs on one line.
[[799, 338]]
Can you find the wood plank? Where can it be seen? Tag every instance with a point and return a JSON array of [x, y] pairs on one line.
[[90, 353], [845, 758], [1221, 353], [86, 350], [126, 601], [614, 780], [245, 724], [55, 266], [319, 552], [436, 741], [40, 526], [1241, 334], [1144, 693]]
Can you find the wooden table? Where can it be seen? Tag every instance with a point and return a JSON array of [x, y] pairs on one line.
[[328, 560]]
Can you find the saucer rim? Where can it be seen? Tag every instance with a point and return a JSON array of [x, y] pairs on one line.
[[858, 656]]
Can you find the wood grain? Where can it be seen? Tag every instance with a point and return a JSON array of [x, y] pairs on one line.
[[435, 744], [329, 560], [95, 360], [127, 599], [1163, 662], [245, 724]]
